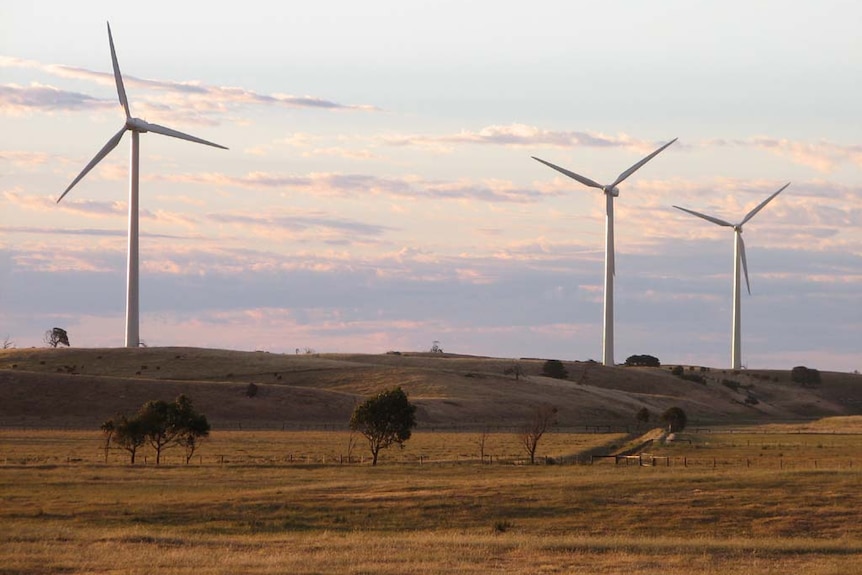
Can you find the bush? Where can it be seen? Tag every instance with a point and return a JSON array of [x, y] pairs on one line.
[[555, 368], [251, 390], [678, 370], [804, 376], [643, 360]]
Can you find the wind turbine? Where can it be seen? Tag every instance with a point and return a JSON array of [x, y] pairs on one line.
[[137, 127], [738, 256], [611, 191]]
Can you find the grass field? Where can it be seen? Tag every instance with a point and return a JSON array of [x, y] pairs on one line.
[[64, 511]]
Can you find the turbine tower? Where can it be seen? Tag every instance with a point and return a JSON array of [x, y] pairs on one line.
[[137, 127], [611, 191], [738, 257]]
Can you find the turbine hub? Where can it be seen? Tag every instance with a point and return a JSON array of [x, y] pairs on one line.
[[614, 192], [137, 125]]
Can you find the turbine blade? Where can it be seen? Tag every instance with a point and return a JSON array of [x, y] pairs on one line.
[[106, 149], [639, 165], [706, 217], [762, 204], [155, 128], [121, 90], [574, 176], [744, 263]]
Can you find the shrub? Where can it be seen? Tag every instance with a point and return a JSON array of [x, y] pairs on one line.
[[677, 370], [555, 368], [643, 360], [251, 390]]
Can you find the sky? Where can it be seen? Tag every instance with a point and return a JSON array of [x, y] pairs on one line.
[[379, 194]]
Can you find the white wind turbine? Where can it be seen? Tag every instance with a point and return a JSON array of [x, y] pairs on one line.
[[136, 126], [611, 191], [738, 257]]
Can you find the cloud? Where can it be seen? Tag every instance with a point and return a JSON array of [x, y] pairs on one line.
[[301, 223], [190, 102], [349, 185], [823, 155], [18, 100], [519, 135], [22, 159]]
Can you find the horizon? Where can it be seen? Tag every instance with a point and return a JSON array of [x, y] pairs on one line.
[[379, 193]]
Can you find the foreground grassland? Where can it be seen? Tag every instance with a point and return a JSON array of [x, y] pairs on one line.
[[747, 503]]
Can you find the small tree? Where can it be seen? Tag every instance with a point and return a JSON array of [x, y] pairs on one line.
[[675, 419], [7, 343], [514, 369], [129, 434], [542, 418], [193, 426], [384, 419], [108, 429], [643, 416], [56, 336], [555, 368]]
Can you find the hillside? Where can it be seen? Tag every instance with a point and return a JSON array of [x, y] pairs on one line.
[[83, 387]]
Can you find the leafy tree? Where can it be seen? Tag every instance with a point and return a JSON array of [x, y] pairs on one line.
[[162, 425], [555, 368], [804, 376], [193, 426], [643, 416], [128, 434], [56, 336], [675, 419], [643, 360], [542, 417], [384, 419], [167, 425]]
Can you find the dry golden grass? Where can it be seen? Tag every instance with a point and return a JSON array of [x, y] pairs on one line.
[[405, 517], [83, 387]]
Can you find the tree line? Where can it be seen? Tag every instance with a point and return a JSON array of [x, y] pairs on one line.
[[159, 424]]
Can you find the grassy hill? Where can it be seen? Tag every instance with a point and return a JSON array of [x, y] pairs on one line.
[[83, 387]]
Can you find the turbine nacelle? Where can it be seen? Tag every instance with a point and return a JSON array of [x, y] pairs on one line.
[[612, 190], [137, 125]]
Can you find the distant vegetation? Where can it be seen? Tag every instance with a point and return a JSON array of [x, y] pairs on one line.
[[643, 360], [555, 368], [804, 376]]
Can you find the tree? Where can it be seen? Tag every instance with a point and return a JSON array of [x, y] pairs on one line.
[[108, 429], [128, 434], [193, 426], [643, 360], [7, 343], [384, 419], [56, 336], [675, 419], [168, 425], [804, 376], [514, 369], [643, 416], [542, 417], [555, 368]]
